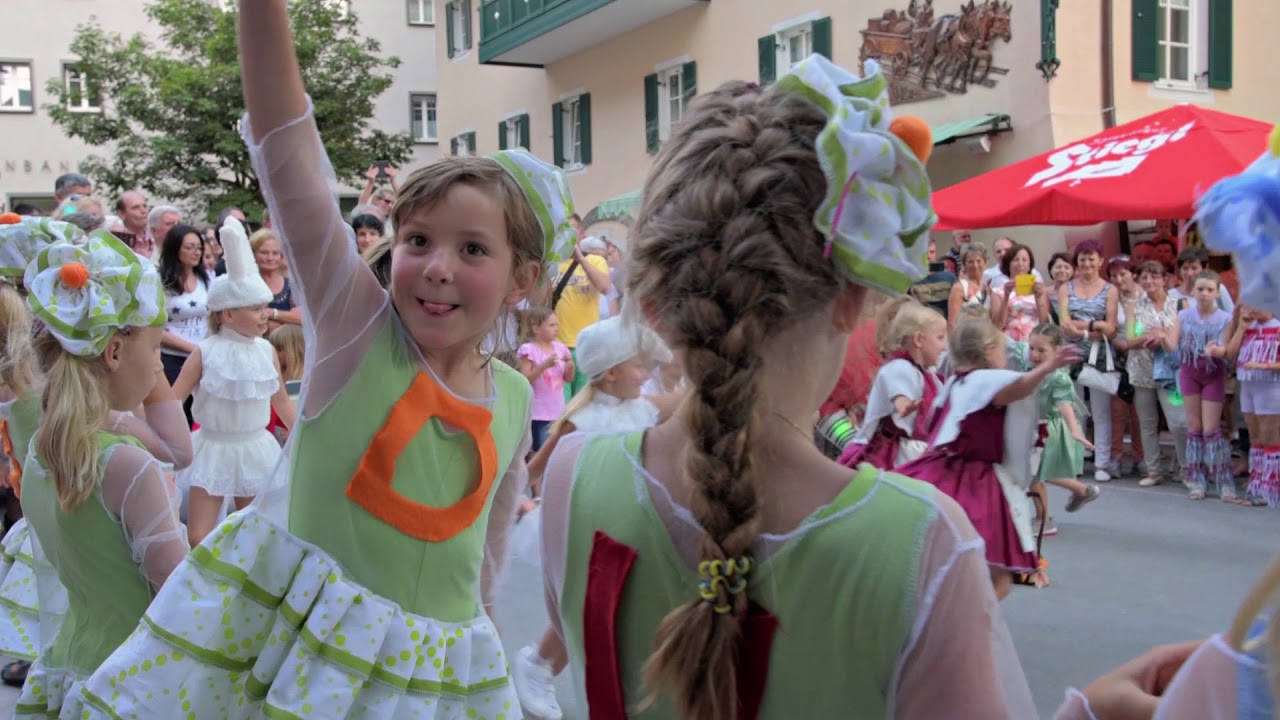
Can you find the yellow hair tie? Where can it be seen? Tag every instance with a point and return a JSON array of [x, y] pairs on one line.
[[719, 579], [1273, 141]]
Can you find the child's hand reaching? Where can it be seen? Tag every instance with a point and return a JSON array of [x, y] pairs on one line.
[[1214, 350], [911, 407], [1066, 355], [1078, 437]]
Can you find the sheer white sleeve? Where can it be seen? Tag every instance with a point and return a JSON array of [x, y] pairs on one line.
[[145, 501], [341, 301], [557, 490], [960, 653], [163, 432], [1217, 683], [502, 518]]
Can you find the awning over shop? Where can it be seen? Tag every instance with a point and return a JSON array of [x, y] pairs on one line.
[[981, 125], [614, 208]]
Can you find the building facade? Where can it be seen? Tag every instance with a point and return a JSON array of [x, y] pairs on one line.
[[36, 152], [597, 84]]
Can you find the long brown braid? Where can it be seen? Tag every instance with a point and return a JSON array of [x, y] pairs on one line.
[[725, 256]]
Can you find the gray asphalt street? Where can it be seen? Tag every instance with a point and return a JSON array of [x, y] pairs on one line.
[[1140, 566]]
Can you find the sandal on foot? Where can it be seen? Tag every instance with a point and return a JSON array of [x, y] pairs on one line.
[[1195, 495], [15, 673]]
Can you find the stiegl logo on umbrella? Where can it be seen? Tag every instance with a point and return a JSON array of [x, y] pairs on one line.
[[1115, 158]]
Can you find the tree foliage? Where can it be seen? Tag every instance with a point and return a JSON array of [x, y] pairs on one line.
[[170, 110]]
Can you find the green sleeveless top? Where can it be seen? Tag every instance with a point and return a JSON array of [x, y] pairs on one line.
[[106, 591], [436, 579], [844, 592]]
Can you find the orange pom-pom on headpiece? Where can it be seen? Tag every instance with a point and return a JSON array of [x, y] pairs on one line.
[[74, 275], [915, 132], [10, 218]]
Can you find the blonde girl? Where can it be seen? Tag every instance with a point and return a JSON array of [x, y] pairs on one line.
[[1256, 345], [404, 468], [980, 453], [1200, 335], [287, 340], [895, 428], [235, 378], [1062, 433], [101, 506], [548, 366], [617, 361], [726, 525]]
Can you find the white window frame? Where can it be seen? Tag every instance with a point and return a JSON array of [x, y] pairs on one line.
[[571, 124], [459, 21], [31, 86], [670, 78], [69, 70], [511, 126], [1197, 44], [803, 31], [427, 103], [464, 142], [424, 9]]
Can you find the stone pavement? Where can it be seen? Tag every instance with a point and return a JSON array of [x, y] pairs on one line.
[[1140, 566]]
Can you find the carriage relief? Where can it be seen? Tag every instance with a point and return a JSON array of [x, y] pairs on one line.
[[925, 57]]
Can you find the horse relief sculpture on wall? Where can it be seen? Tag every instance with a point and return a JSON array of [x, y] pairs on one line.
[[927, 57]]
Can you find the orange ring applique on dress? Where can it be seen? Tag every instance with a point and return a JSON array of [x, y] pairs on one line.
[[15, 467], [370, 486]]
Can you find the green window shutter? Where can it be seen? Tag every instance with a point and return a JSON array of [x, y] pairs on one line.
[[689, 81], [502, 135], [1146, 50], [584, 109], [449, 9], [453, 146], [466, 24], [522, 125], [651, 136], [822, 37], [557, 134], [471, 143], [768, 59], [1220, 45]]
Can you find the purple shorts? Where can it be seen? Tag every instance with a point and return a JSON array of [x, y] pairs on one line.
[[1210, 385]]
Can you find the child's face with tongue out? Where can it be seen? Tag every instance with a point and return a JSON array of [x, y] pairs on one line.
[[452, 270]]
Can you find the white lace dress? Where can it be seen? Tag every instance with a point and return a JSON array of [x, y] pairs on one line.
[[234, 454]]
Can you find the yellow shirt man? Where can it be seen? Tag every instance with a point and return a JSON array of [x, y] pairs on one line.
[[579, 304]]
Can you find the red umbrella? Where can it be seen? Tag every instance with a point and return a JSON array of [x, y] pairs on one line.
[[1153, 167]]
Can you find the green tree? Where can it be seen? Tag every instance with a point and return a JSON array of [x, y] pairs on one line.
[[171, 110]]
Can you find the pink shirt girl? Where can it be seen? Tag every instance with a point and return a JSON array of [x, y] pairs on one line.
[[548, 389]]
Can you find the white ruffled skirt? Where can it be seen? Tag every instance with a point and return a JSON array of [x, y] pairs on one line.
[[19, 601], [257, 623], [231, 464]]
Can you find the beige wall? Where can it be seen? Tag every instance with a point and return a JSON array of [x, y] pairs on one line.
[[721, 37]]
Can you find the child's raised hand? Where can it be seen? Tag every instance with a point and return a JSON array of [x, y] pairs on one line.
[[371, 173], [1066, 355]]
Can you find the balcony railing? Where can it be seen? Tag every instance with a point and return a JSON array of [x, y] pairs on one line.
[[539, 32]]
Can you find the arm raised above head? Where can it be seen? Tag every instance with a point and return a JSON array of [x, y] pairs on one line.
[[273, 89]]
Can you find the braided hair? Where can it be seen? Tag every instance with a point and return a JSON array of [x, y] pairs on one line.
[[725, 257]]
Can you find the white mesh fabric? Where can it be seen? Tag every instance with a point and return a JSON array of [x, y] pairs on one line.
[[137, 492], [162, 430]]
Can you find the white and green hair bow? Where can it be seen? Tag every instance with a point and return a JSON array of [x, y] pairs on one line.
[[84, 293], [20, 242], [547, 190], [876, 213]]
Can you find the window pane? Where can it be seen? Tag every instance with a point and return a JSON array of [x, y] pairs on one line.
[[416, 119], [1180, 63], [1179, 26], [15, 86], [431, 119]]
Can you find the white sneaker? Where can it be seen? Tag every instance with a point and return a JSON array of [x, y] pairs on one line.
[[535, 685], [1101, 476]]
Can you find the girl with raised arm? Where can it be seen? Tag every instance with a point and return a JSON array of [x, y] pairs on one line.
[[364, 587]]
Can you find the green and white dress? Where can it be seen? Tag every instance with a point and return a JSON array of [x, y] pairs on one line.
[[110, 552], [20, 608], [360, 589]]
